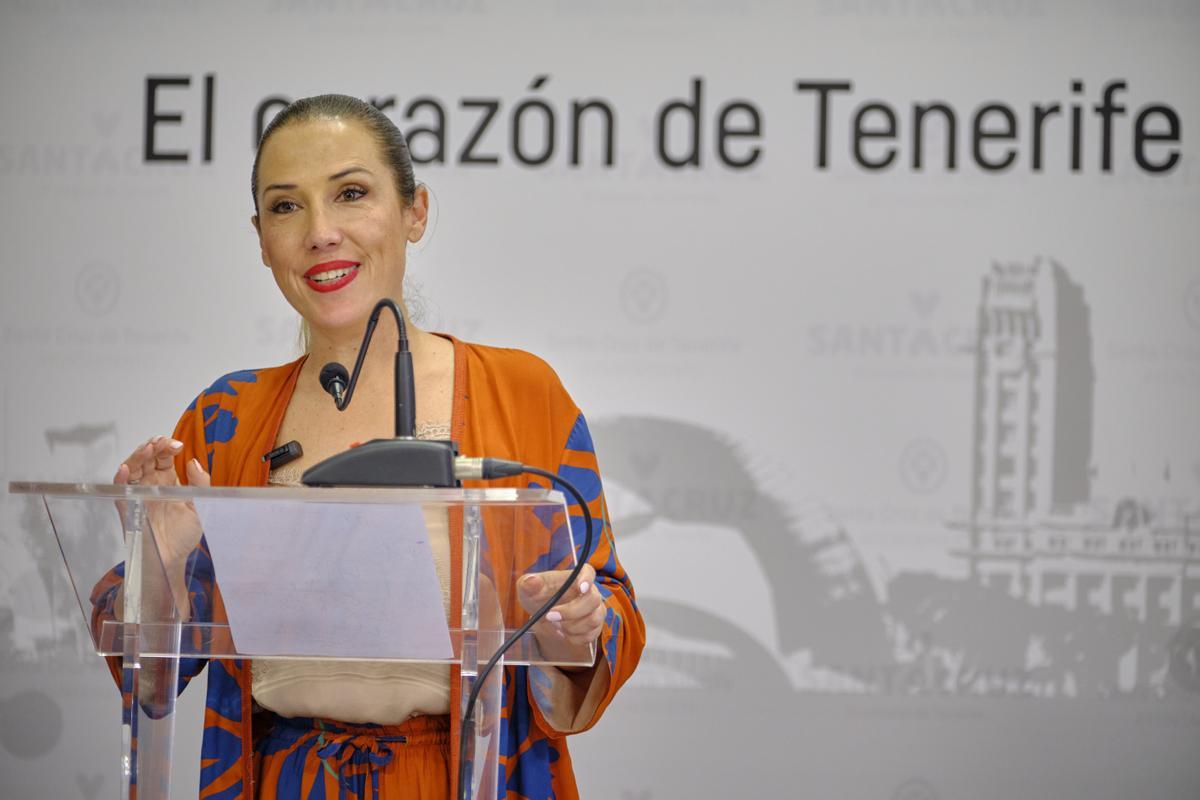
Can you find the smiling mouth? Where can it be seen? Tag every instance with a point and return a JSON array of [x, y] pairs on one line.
[[332, 275]]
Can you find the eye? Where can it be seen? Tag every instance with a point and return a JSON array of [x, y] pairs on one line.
[[352, 193], [283, 207]]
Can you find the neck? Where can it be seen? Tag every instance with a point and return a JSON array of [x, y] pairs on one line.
[[342, 345]]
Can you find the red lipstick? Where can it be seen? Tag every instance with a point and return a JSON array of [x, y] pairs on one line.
[[334, 275]]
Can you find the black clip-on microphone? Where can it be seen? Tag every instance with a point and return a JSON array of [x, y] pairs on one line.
[[402, 461]]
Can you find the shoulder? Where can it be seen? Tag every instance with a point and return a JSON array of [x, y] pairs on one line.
[[244, 385], [513, 371], [519, 364], [232, 417], [516, 394]]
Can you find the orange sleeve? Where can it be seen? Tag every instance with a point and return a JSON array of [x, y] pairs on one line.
[[624, 634]]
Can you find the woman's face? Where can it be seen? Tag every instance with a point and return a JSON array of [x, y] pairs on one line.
[[331, 223]]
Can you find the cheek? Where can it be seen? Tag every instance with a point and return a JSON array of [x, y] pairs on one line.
[[276, 246]]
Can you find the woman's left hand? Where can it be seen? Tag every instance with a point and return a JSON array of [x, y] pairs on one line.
[[578, 619]]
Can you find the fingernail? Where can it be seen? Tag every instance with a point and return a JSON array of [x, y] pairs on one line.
[[196, 464], [532, 582], [175, 444], [554, 616], [584, 586]]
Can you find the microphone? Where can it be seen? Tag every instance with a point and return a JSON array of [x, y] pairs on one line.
[[402, 461], [334, 379]]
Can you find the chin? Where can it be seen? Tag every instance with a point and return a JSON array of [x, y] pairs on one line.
[[340, 316]]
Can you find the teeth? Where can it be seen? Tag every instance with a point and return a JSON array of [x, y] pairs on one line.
[[332, 275]]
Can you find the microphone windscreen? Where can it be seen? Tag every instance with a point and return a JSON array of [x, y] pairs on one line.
[[331, 374]]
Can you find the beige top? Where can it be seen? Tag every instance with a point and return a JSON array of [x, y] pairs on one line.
[[382, 692]]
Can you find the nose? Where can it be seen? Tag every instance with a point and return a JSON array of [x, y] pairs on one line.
[[323, 232]]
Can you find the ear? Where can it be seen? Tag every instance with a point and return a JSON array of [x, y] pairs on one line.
[[258, 231], [419, 214]]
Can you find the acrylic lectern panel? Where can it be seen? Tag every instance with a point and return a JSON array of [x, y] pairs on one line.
[[145, 577]]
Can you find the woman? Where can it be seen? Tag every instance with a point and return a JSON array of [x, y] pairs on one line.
[[336, 206]]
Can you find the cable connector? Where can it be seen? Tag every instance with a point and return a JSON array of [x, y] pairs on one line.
[[485, 469]]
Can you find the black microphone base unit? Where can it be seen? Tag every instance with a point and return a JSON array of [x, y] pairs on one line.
[[388, 462]]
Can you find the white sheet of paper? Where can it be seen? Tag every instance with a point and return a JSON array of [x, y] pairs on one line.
[[326, 579]]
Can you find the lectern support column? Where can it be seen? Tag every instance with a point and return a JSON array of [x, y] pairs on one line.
[[150, 668]]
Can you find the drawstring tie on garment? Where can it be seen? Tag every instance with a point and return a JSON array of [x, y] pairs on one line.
[[363, 754]]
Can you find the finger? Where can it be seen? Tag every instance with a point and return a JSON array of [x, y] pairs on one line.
[[152, 462], [122, 475], [584, 636], [531, 585], [589, 623], [546, 583], [586, 579], [584, 597], [582, 609], [165, 451], [579, 611], [196, 475], [136, 463], [581, 605], [538, 586]]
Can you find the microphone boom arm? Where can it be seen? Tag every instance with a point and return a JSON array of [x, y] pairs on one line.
[[405, 391]]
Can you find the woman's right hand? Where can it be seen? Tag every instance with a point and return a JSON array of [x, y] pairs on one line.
[[153, 464], [174, 524]]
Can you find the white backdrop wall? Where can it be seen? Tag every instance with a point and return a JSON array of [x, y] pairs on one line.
[[904, 462]]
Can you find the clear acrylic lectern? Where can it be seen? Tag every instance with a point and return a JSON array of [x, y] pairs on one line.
[[168, 604]]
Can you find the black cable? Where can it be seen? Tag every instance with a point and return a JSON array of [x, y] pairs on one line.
[[466, 729], [372, 321]]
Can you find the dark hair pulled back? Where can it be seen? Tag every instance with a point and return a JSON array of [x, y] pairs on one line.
[[341, 106]]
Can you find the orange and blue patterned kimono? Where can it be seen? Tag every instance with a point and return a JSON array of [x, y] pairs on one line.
[[507, 404]]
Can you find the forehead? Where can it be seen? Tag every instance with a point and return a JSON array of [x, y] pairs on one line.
[[312, 150]]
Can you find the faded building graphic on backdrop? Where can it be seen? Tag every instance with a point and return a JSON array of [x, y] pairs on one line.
[[41, 616], [1064, 595]]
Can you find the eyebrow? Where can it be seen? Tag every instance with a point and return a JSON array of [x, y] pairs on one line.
[[335, 177]]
